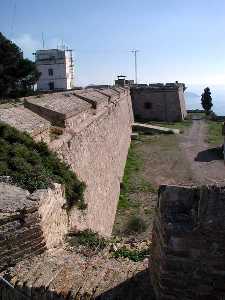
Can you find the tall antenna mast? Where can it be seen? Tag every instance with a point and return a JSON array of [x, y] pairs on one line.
[[135, 51], [43, 41], [13, 19]]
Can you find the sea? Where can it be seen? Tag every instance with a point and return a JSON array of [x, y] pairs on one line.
[[193, 98]]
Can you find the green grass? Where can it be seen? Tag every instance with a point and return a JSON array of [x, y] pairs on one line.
[[89, 239], [174, 125], [134, 255], [31, 165], [215, 136], [132, 181]]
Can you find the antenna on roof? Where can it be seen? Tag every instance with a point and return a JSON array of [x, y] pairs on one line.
[[135, 51], [13, 18], [43, 41]]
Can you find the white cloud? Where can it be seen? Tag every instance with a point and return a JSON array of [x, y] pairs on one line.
[[27, 44]]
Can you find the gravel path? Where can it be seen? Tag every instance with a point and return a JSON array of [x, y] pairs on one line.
[[205, 164]]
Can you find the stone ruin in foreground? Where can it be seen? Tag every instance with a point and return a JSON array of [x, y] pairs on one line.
[[188, 251], [187, 256]]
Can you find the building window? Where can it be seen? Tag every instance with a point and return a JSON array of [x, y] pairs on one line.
[[148, 105], [51, 86], [50, 72]]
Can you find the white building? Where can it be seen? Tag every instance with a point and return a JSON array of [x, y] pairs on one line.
[[56, 68]]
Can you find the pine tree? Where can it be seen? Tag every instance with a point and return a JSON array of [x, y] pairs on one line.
[[207, 100], [17, 75]]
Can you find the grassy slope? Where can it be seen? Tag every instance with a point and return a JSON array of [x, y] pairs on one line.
[[215, 136], [133, 211]]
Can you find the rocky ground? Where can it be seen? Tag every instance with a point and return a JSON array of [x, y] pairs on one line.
[[78, 274]]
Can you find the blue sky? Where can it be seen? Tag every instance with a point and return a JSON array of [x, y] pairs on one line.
[[178, 39]]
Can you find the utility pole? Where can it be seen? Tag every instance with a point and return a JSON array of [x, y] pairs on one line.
[[135, 51]]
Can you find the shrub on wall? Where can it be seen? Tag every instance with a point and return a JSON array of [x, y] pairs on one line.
[[31, 165]]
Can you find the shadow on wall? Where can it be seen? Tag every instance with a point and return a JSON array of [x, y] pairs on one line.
[[136, 288], [209, 155]]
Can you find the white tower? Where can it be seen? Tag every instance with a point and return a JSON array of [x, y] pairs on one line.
[[56, 68]]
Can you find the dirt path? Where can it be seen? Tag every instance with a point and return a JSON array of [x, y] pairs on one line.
[[204, 161]]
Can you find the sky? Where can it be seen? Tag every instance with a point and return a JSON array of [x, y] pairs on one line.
[[180, 40]]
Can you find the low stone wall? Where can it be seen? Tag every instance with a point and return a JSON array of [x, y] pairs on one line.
[[29, 223], [188, 250], [52, 209]]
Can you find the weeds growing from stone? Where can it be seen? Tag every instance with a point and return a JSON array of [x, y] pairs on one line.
[[134, 255], [89, 239]]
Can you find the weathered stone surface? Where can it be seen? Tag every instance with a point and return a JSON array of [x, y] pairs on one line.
[[57, 107], [96, 128], [97, 153], [62, 274], [188, 256], [25, 120], [159, 102], [30, 223], [13, 198]]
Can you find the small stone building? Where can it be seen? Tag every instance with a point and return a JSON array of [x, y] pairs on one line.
[[159, 102]]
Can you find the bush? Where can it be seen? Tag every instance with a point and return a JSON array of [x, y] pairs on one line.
[[32, 166], [136, 225], [88, 239], [134, 255]]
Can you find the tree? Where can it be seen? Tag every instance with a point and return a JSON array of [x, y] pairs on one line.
[[207, 100], [17, 75]]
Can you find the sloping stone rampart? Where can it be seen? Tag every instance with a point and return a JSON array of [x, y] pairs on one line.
[[96, 131], [97, 153], [188, 250]]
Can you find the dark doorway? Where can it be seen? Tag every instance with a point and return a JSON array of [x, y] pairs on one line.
[[51, 86]]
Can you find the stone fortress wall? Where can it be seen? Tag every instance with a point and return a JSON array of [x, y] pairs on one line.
[[93, 136], [159, 102]]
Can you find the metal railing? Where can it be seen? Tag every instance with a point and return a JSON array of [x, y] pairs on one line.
[[8, 284]]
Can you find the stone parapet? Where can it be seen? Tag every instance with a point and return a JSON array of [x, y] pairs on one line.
[[25, 120], [188, 250]]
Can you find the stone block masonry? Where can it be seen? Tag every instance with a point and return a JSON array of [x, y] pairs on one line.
[[30, 223], [96, 126], [188, 252], [159, 102]]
